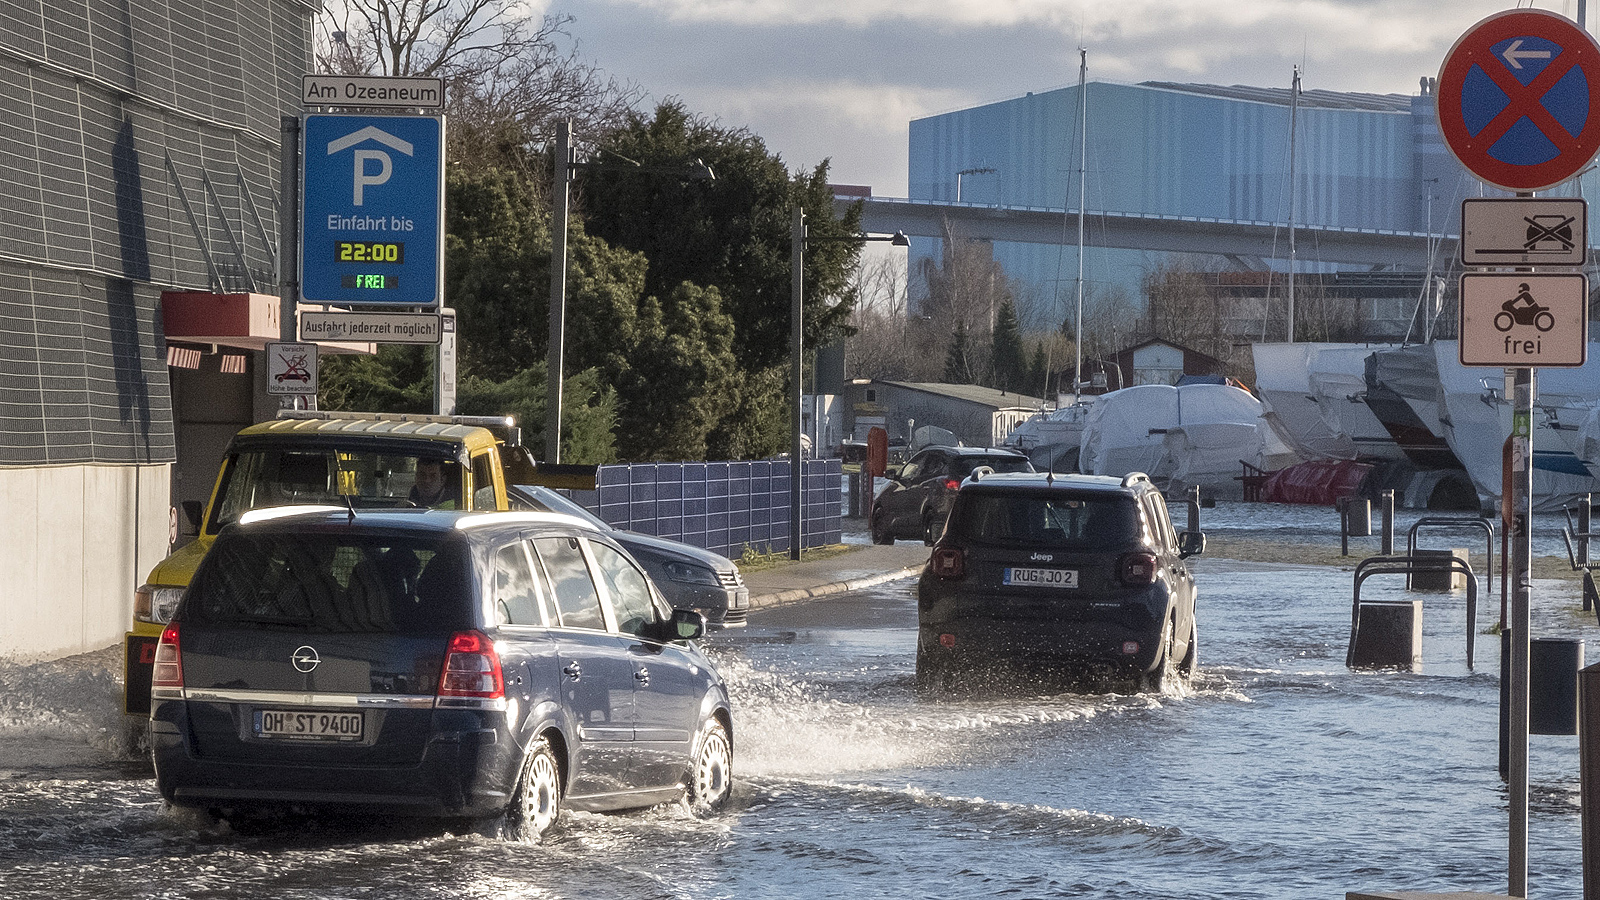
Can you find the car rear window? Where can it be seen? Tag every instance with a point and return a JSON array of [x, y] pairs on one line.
[[333, 582], [1039, 519], [962, 466]]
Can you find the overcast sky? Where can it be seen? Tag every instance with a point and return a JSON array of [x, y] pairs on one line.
[[842, 79]]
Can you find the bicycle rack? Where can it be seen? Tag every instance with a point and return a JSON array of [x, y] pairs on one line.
[[1459, 522], [1583, 530], [1407, 565]]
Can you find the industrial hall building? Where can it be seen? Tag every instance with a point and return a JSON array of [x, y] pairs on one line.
[[1203, 171], [140, 189]]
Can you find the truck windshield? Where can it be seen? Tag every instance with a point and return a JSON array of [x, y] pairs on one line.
[[267, 478]]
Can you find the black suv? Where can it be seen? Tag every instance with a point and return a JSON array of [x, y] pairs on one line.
[[484, 667], [917, 499], [1057, 578]]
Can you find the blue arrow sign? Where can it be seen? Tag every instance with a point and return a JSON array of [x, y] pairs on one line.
[[372, 230]]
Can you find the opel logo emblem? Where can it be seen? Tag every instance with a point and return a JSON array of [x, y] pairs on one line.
[[305, 658]]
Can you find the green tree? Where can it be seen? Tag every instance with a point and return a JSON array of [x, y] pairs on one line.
[[731, 234], [1007, 356]]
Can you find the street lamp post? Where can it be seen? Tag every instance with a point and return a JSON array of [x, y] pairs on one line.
[[560, 193], [797, 263]]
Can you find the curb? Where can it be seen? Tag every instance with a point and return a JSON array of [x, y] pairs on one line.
[[795, 595]]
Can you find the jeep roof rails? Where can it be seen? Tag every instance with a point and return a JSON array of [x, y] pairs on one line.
[[504, 427], [1133, 478]]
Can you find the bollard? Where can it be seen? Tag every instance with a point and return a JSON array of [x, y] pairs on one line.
[[1589, 774], [1553, 665], [1388, 635], [1358, 516], [1442, 579], [1194, 509], [1388, 522]]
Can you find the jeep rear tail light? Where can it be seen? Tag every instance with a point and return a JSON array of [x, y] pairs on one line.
[[471, 667], [952, 484], [168, 671], [949, 562], [1137, 569]]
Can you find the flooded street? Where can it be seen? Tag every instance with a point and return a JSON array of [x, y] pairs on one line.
[[1278, 774]]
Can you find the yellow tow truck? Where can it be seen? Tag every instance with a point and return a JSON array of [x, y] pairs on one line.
[[368, 460]]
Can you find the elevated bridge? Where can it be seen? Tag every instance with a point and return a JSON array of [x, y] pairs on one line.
[[1247, 243]]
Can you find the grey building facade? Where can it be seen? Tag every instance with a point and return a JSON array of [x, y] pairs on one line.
[[141, 154], [1370, 161]]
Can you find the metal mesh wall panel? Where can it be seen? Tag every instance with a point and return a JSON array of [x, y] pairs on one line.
[[66, 34], [20, 204], [111, 47], [95, 95], [101, 120], [191, 85], [21, 404], [61, 168], [152, 49], [222, 50], [22, 27]]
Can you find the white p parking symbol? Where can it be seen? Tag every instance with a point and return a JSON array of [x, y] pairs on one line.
[[360, 178]]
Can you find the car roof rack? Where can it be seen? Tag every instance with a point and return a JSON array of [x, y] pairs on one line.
[[1133, 478], [504, 427]]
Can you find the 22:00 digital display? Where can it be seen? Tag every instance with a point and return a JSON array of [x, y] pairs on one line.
[[370, 251]]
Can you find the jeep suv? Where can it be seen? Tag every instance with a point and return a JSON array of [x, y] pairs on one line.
[[1057, 578]]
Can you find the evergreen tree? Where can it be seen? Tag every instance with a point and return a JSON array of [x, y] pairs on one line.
[[1007, 355], [957, 360]]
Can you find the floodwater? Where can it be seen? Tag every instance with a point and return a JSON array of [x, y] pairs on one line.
[[1277, 774]]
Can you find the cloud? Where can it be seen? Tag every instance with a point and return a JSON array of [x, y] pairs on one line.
[[842, 79]]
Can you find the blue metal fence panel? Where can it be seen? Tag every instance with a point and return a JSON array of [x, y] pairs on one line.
[[721, 506]]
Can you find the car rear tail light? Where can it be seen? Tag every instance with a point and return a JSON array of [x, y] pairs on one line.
[[168, 671], [949, 562], [1137, 569], [952, 484], [471, 667]]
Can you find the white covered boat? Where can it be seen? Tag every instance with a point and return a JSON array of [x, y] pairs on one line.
[[1196, 434], [1314, 394], [1052, 438], [1477, 420]]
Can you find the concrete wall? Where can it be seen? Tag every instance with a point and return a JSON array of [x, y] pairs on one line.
[[74, 543]]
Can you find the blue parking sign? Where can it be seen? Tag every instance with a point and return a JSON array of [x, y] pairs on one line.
[[372, 226]]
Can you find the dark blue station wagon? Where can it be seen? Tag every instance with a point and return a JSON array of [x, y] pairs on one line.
[[490, 668]]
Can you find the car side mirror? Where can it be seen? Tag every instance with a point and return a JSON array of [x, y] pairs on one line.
[[1191, 543], [191, 514], [892, 473], [686, 625]]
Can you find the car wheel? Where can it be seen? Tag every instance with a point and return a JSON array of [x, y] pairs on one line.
[[536, 802], [1191, 658], [711, 772], [1166, 670], [880, 529]]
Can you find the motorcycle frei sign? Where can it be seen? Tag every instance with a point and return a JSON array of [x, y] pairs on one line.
[[1519, 99], [1524, 320], [372, 226]]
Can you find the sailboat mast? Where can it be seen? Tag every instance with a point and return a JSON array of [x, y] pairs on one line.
[[1083, 148], [1294, 109]]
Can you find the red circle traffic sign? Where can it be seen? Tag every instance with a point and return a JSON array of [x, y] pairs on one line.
[[1519, 99]]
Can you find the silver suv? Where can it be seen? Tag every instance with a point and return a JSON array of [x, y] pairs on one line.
[[1044, 578]]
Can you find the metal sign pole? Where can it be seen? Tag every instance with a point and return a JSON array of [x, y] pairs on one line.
[[1521, 548]]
